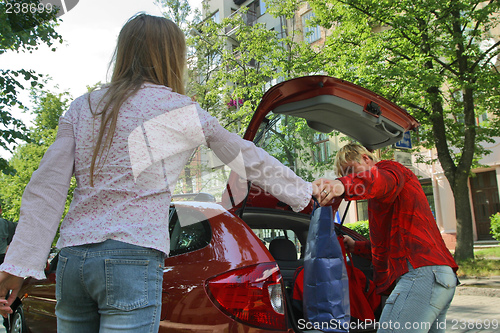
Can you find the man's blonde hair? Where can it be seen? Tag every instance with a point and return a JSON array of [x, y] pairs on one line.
[[351, 152]]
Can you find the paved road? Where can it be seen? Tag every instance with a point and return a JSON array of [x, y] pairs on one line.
[[474, 314], [474, 310]]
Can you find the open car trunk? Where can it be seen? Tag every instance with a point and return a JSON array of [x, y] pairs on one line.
[[327, 104]]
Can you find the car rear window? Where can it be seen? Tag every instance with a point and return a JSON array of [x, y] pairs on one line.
[[267, 235], [191, 237]]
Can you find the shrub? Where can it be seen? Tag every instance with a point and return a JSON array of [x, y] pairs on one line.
[[361, 227], [495, 226]]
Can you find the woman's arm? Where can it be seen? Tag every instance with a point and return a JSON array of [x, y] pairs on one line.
[[42, 206]]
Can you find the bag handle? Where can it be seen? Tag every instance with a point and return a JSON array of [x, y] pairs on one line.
[[345, 212], [315, 205]]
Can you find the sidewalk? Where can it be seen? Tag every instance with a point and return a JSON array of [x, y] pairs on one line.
[[475, 307]]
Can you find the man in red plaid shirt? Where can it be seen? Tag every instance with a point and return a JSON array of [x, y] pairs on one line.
[[410, 259]]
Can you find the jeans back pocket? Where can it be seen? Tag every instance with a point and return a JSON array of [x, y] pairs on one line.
[[443, 288], [126, 283]]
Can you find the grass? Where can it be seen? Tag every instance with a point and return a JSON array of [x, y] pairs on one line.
[[485, 263], [479, 268], [487, 252]]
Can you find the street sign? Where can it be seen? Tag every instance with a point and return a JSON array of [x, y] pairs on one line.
[[405, 142]]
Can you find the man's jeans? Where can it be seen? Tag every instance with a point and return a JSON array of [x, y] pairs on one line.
[[419, 301], [109, 287]]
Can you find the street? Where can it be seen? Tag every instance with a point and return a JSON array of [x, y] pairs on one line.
[[475, 309], [471, 314]]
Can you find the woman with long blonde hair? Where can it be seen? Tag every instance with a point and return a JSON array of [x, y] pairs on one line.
[[126, 144]]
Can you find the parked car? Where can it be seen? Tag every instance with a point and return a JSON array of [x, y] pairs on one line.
[[233, 271]]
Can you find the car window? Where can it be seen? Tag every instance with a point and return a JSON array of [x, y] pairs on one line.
[[285, 136], [267, 235], [191, 237]]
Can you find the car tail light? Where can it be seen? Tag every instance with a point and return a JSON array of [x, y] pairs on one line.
[[252, 295]]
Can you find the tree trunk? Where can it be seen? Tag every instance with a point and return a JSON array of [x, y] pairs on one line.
[[457, 176], [465, 241], [457, 173]]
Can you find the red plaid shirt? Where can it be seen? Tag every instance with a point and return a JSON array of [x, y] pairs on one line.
[[402, 227]]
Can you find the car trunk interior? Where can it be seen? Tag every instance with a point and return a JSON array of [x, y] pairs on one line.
[[272, 219]]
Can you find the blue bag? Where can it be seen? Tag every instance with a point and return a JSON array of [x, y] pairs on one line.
[[326, 285]]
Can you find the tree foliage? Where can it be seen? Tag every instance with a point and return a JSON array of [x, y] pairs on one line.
[[495, 226], [26, 157], [435, 58], [235, 60], [179, 12], [20, 32]]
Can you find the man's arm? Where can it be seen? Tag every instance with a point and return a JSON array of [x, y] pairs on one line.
[[360, 248]]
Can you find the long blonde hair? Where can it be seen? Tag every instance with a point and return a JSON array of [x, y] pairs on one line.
[[351, 152], [149, 49]]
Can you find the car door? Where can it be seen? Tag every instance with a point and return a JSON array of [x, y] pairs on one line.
[[39, 302]]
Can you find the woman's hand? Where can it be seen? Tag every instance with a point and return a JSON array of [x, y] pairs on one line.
[[8, 283], [327, 190]]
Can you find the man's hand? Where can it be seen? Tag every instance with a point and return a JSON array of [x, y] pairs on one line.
[[349, 243], [327, 190], [8, 283]]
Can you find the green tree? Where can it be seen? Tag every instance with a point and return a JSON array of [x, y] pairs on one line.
[[235, 61], [435, 59], [179, 12], [26, 157], [20, 32]]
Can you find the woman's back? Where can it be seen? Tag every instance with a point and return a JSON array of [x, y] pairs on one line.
[[154, 137]]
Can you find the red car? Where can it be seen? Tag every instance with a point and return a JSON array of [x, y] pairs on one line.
[[233, 271]]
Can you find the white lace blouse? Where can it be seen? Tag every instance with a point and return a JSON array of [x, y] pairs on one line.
[[156, 133]]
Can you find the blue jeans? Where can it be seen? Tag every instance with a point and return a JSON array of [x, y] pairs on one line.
[[109, 287], [419, 301]]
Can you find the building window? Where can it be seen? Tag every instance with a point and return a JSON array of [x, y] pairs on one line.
[[216, 17], [262, 7], [321, 152], [311, 33], [429, 194], [482, 118]]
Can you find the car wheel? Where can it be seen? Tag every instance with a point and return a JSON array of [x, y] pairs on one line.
[[18, 325]]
